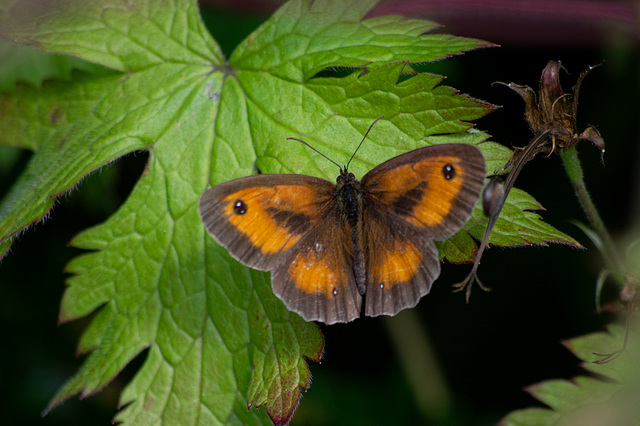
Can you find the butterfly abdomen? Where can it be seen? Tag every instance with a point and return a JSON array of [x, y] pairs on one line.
[[348, 200]]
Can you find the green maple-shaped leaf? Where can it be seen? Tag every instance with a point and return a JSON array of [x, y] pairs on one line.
[[218, 340], [610, 398]]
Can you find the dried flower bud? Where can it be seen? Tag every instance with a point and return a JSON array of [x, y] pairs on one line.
[[554, 112]]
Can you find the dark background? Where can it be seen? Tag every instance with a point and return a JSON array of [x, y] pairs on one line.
[[485, 352]]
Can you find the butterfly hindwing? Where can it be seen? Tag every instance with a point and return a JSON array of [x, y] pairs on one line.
[[316, 279], [401, 264]]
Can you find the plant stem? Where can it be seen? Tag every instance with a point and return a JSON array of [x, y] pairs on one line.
[[576, 176], [421, 365]]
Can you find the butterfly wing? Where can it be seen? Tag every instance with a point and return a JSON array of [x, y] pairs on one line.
[[288, 224], [260, 218], [317, 278], [424, 195], [402, 263]]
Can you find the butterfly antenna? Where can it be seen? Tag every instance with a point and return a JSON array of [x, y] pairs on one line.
[[361, 142], [305, 143], [354, 153]]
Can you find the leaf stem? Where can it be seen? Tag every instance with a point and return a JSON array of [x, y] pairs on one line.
[[418, 358], [576, 176]]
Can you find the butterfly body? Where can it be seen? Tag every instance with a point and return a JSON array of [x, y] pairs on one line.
[[331, 245]]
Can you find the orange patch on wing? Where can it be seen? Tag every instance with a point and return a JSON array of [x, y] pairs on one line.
[[313, 275], [439, 194], [397, 266], [258, 225]]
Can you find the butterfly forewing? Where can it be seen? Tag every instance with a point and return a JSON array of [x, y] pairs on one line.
[[433, 188], [260, 218]]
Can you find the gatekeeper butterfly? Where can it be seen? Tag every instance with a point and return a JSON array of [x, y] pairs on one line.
[[328, 245]]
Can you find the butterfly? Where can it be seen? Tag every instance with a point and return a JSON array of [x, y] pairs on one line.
[[329, 246]]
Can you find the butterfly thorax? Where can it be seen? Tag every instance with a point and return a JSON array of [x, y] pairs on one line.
[[348, 195]]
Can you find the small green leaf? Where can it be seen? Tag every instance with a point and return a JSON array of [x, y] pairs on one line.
[[518, 224], [4, 247], [587, 347], [608, 399], [530, 417], [563, 396]]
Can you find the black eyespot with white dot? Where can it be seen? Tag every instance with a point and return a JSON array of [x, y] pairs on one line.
[[448, 171], [239, 207]]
